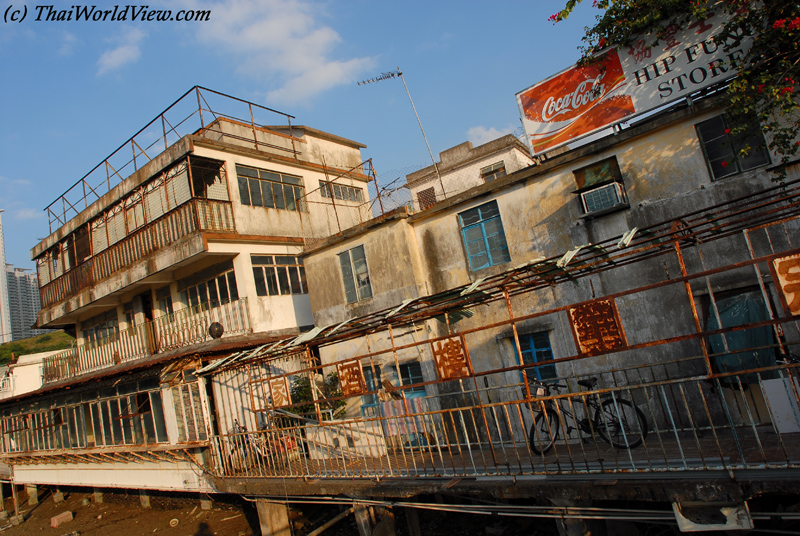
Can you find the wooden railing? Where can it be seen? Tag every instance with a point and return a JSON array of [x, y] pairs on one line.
[[196, 215], [184, 328]]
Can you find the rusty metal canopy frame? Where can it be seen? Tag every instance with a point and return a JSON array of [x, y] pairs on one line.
[[767, 207]]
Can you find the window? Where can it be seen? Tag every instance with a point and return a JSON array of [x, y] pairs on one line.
[[340, 191], [164, 301], [495, 171], [483, 236], [373, 383], [600, 187], [355, 275], [209, 287], [279, 274], [426, 198], [262, 188], [411, 373], [721, 149], [536, 348], [101, 328]]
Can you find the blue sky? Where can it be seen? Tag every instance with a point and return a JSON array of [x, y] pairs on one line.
[[72, 92]]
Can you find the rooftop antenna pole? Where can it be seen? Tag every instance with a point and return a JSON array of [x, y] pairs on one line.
[[393, 74]]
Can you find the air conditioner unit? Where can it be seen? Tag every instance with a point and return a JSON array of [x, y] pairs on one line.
[[603, 198]]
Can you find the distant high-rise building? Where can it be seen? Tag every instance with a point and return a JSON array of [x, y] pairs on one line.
[[23, 302], [5, 319]]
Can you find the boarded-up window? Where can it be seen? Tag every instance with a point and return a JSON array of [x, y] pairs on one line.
[[426, 198]]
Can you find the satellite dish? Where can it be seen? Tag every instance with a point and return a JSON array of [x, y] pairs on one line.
[[216, 330]]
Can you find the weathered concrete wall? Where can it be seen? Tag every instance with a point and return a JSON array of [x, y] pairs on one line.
[[267, 313], [395, 273], [665, 175]]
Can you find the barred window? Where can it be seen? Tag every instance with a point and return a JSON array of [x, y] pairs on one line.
[[264, 188], [340, 191], [279, 275]]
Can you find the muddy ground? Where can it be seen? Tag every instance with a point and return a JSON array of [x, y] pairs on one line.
[[121, 514]]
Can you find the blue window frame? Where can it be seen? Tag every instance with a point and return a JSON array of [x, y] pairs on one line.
[[484, 239], [536, 348], [410, 373]]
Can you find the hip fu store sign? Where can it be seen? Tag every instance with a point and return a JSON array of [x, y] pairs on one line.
[[626, 82]]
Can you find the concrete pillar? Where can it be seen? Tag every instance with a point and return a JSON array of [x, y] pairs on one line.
[[98, 496], [576, 526], [206, 504], [144, 498], [58, 497], [361, 513], [33, 494], [386, 525], [273, 518], [412, 517]]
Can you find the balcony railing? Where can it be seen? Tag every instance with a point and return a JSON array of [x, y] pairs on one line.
[[196, 215], [7, 384], [184, 328]]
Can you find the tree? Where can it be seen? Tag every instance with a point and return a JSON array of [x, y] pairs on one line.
[[301, 392], [765, 87]]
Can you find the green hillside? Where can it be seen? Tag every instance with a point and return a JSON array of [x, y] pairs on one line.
[[56, 340]]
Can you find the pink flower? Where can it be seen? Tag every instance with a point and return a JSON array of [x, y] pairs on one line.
[[795, 24], [554, 18], [761, 88], [779, 23], [787, 90], [724, 163], [727, 131]]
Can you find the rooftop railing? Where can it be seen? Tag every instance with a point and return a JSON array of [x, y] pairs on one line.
[[195, 112]]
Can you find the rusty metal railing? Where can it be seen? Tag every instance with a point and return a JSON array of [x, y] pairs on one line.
[[184, 328], [687, 424], [195, 215]]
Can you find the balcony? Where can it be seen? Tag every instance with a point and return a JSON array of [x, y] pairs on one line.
[[183, 328], [195, 215]]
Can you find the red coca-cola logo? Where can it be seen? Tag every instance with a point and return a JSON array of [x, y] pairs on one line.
[[576, 102], [587, 92]]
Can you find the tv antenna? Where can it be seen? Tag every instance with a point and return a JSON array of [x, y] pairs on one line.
[[399, 73]]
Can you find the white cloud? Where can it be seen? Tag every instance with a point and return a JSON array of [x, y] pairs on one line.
[[28, 214], [481, 135], [282, 42], [6, 182], [127, 51], [67, 44]]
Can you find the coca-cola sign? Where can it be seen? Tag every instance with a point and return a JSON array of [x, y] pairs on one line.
[[580, 99], [626, 82]]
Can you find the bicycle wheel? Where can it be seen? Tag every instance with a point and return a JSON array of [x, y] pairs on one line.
[[544, 431], [621, 423]]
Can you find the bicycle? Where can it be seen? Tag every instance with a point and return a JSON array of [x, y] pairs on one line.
[[267, 448], [617, 420]]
